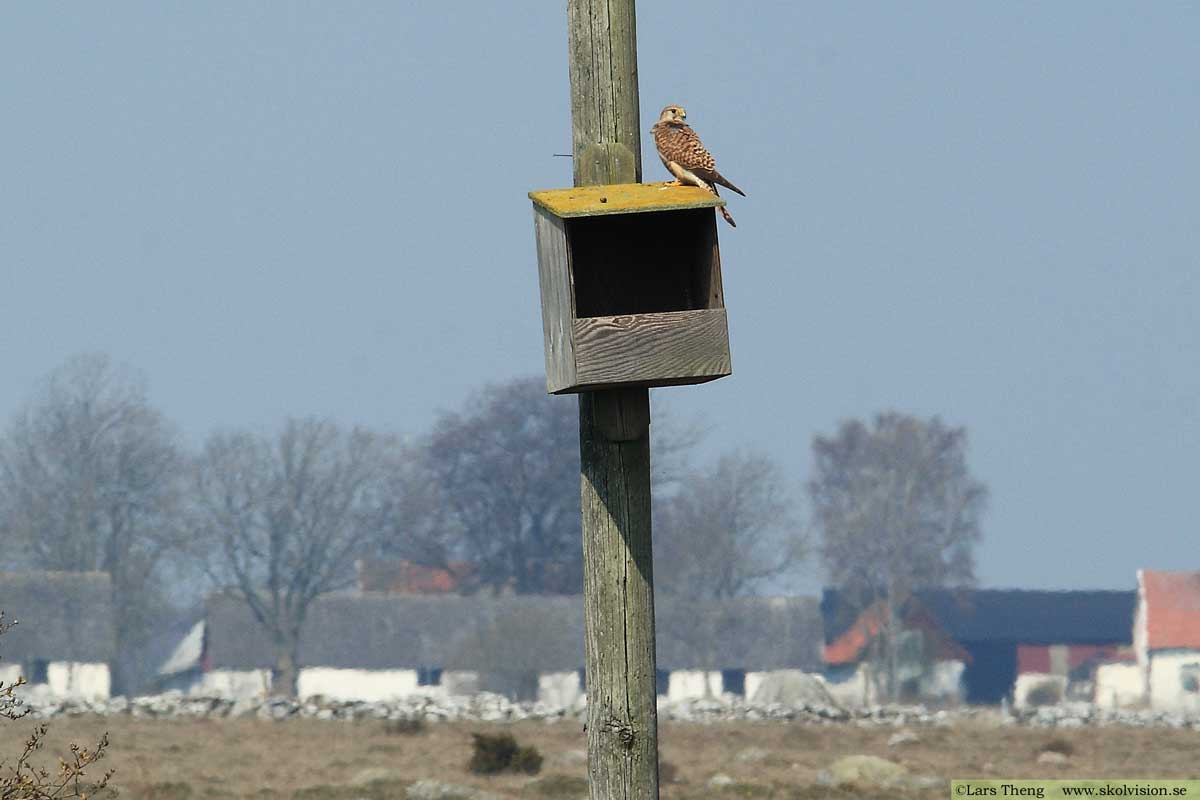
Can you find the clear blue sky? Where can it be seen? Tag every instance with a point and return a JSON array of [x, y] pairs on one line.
[[984, 211]]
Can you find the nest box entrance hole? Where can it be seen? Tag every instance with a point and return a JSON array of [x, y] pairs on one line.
[[644, 263]]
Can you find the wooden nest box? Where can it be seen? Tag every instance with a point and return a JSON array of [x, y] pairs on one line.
[[631, 286]]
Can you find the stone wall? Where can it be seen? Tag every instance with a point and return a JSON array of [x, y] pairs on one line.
[[486, 707]]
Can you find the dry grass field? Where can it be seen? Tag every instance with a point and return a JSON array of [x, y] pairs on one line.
[[316, 760]]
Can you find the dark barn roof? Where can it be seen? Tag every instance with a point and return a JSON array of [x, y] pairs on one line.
[[1012, 615], [62, 616], [515, 633], [359, 631], [749, 633]]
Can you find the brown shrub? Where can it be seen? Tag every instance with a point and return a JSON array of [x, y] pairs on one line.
[[495, 753]]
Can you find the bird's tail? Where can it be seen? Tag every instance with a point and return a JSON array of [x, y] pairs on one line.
[[721, 179]]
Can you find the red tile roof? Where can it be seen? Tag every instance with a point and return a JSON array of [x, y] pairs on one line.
[[1172, 609], [851, 646], [406, 577]]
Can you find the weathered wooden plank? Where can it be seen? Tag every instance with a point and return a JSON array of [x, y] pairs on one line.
[[716, 289], [554, 280], [615, 475], [624, 421], [652, 347], [602, 43], [618, 597], [606, 162]]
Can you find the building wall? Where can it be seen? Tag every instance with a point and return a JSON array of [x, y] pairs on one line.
[[692, 684], [85, 681], [850, 685], [1140, 631], [553, 688], [9, 673], [754, 681], [460, 682], [360, 684], [854, 685], [1119, 685], [1061, 659], [1174, 680], [559, 688], [1035, 659], [234, 683], [67, 679], [944, 682]]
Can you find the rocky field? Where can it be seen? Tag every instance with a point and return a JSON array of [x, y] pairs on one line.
[[174, 748]]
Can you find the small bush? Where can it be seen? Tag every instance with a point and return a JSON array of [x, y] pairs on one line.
[[405, 726], [492, 754], [501, 753], [1044, 695], [1057, 746], [527, 760]]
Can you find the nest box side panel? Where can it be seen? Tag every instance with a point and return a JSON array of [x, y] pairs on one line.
[[712, 248], [664, 349], [554, 278]]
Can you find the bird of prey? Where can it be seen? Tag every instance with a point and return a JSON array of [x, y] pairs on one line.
[[685, 157]]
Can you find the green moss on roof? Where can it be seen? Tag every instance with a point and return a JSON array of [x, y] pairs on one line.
[[623, 198]]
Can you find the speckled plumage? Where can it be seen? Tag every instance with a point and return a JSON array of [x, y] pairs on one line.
[[685, 156]]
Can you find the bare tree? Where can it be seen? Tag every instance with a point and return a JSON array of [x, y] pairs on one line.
[[727, 530], [283, 519], [91, 478], [417, 522], [897, 509], [509, 469]]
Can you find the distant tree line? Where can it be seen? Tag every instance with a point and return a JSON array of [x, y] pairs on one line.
[[93, 477]]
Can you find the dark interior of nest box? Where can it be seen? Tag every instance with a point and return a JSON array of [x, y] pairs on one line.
[[645, 262]]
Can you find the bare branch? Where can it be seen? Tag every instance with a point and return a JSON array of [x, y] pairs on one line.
[[897, 510], [281, 520]]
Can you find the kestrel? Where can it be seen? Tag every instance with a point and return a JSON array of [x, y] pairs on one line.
[[685, 157]]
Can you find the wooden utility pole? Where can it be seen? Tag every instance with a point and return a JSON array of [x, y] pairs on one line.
[[614, 441]]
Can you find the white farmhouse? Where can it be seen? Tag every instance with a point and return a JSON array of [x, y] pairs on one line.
[[384, 645], [713, 647], [1166, 639], [64, 639]]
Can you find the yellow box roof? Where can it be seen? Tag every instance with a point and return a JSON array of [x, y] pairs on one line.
[[623, 198]]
